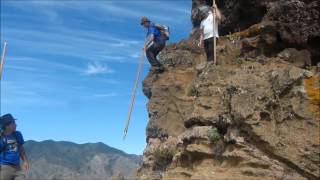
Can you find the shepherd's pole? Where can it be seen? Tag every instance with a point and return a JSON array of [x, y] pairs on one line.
[[214, 34], [134, 95], [1, 69], [3, 58]]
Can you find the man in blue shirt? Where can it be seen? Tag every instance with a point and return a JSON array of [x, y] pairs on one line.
[[11, 150], [155, 42]]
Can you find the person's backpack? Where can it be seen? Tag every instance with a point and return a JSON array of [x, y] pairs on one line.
[[165, 31]]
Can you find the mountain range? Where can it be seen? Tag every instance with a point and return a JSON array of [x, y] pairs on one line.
[[52, 160]]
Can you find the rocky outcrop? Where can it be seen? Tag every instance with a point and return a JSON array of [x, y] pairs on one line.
[[254, 116], [283, 24]]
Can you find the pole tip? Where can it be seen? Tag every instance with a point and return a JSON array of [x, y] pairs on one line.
[[125, 134]]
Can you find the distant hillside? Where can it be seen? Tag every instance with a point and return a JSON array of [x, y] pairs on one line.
[[52, 160]]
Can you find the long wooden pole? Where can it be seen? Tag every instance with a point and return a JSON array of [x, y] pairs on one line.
[[134, 94], [1, 69], [214, 34], [3, 58]]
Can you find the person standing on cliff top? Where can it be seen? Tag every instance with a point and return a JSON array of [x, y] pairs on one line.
[[154, 43], [11, 150], [208, 33]]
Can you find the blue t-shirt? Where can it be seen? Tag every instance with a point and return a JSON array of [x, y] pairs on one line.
[[10, 148], [157, 34]]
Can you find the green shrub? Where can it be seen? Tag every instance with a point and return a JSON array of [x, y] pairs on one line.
[[163, 157], [192, 91], [232, 90], [214, 135]]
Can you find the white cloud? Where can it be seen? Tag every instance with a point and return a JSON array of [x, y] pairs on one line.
[[98, 68], [21, 68], [106, 95], [109, 58], [80, 44], [38, 64], [134, 55], [28, 93], [116, 11], [108, 81]]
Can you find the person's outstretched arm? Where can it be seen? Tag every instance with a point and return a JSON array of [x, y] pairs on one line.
[[148, 41], [24, 158]]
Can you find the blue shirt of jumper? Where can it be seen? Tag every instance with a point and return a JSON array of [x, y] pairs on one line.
[[10, 146], [157, 34]]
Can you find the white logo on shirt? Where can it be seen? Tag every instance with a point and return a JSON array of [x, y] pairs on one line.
[[12, 145]]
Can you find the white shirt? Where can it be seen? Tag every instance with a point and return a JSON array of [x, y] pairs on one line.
[[207, 26]]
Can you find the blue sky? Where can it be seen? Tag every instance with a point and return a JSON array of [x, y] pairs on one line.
[[71, 66]]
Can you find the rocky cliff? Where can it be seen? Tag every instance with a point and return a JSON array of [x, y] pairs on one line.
[[256, 115]]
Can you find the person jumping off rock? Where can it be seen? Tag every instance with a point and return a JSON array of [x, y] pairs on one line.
[[155, 42], [11, 150], [208, 33]]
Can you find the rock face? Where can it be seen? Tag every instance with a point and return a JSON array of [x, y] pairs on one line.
[[284, 23], [254, 116]]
